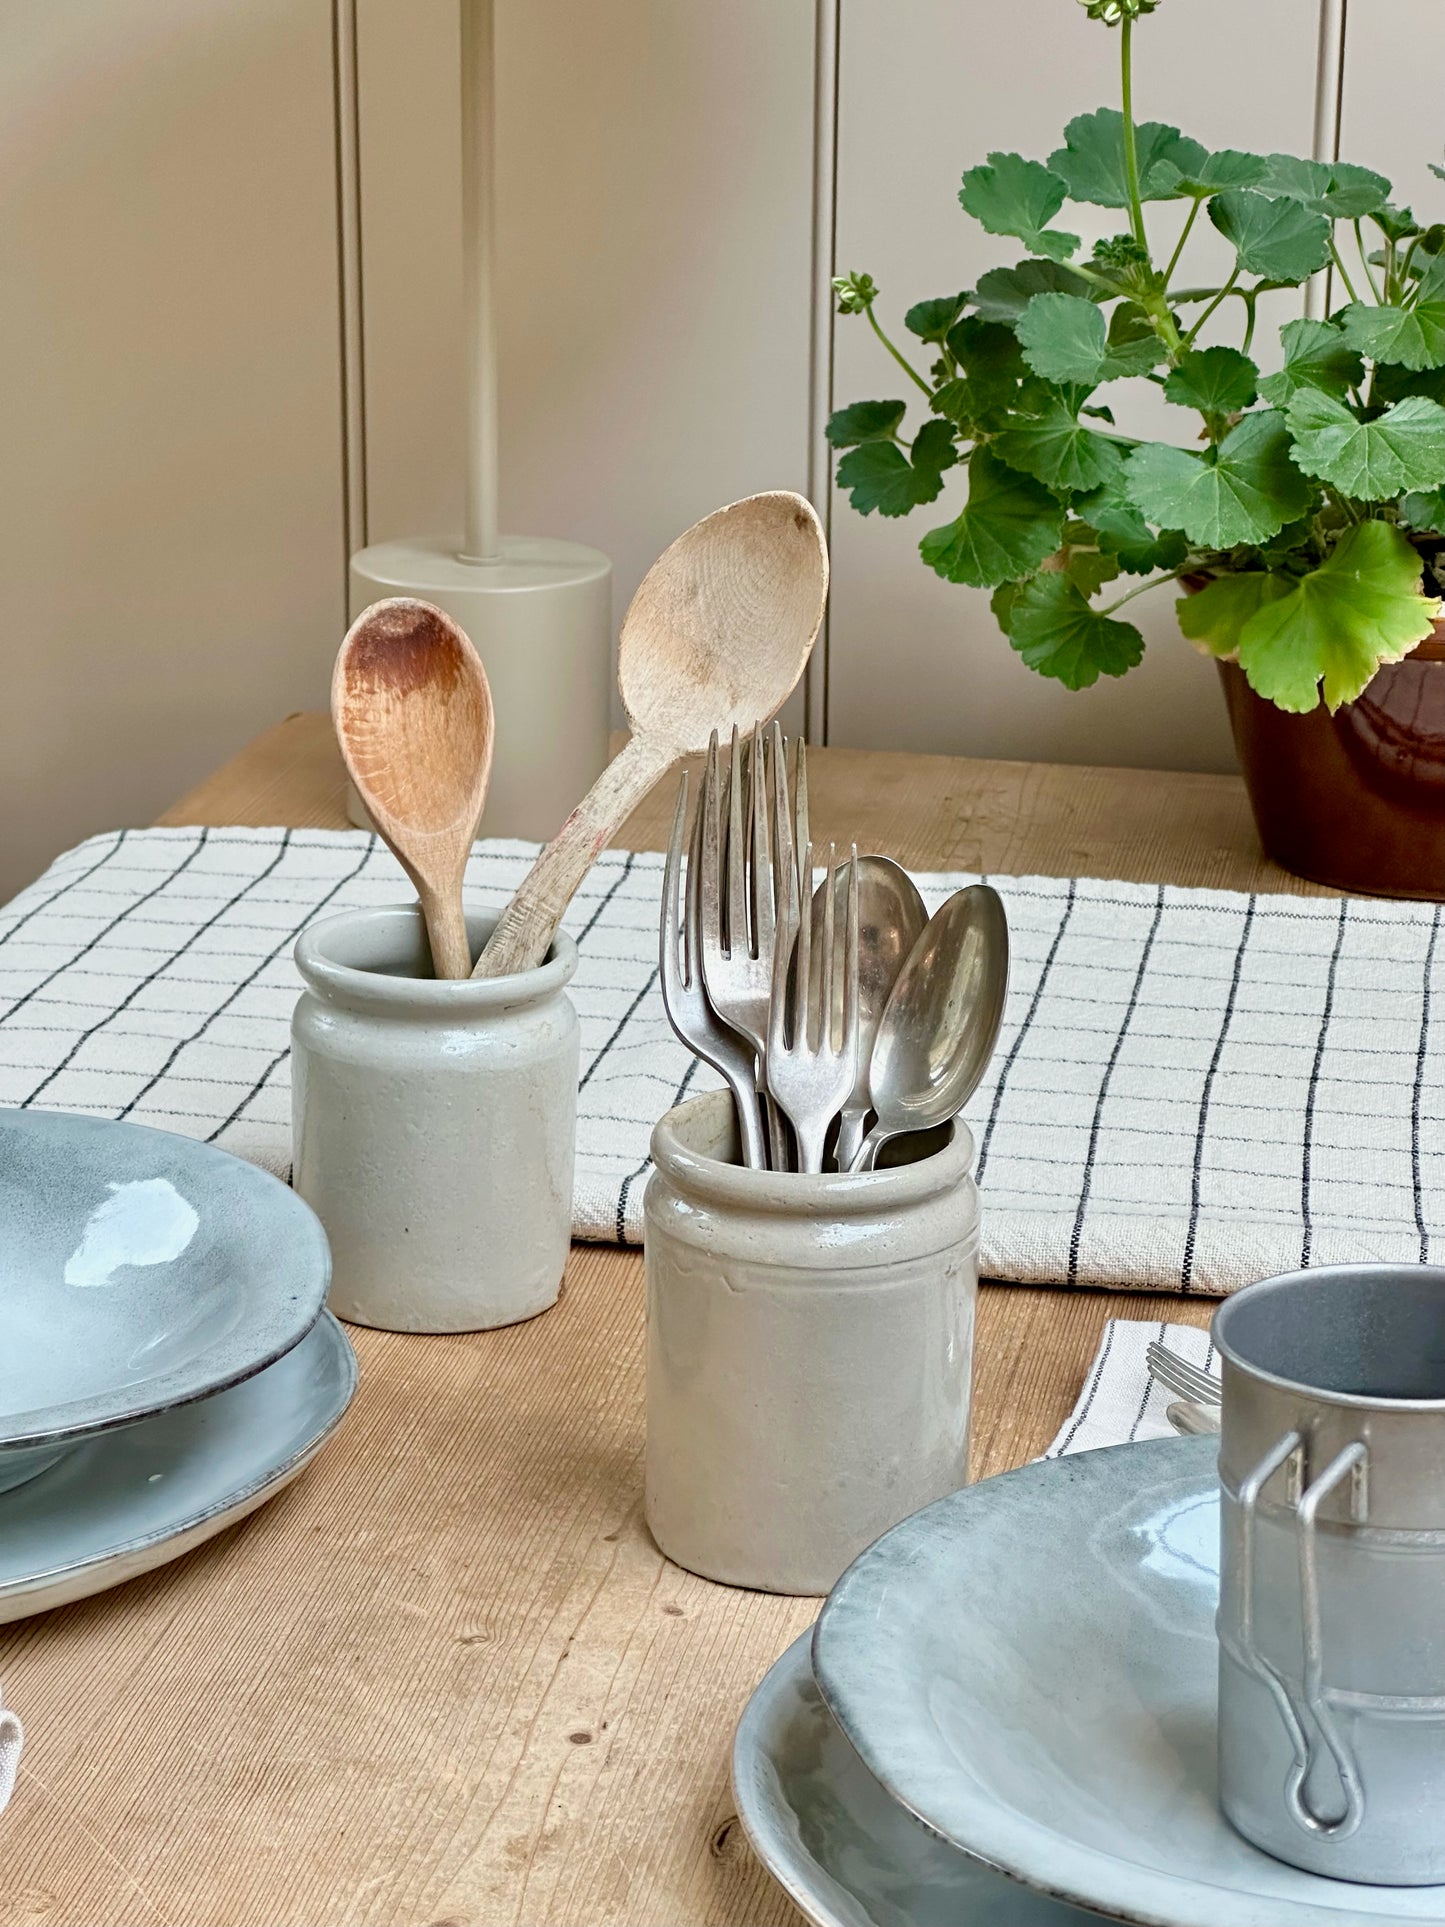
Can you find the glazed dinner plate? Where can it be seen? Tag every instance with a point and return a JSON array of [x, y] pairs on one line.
[[128, 1501], [844, 1851], [1029, 1667], [140, 1270]]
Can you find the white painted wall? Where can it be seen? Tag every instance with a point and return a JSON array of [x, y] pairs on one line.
[[170, 535], [171, 504]]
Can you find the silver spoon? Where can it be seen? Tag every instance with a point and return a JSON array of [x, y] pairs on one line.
[[942, 1021], [891, 918]]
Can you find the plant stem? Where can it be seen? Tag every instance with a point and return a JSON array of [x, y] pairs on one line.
[[1131, 152], [1228, 288], [907, 368], [1251, 302], [1183, 237], [1155, 582], [1344, 276], [1365, 262]]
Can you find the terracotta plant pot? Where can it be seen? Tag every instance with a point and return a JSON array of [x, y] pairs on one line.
[[1357, 799]]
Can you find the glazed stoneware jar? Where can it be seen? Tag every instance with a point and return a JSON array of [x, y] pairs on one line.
[[433, 1125], [809, 1351]]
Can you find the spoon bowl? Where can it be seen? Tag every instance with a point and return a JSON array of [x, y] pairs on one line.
[[891, 918], [413, 715], [942, 1020], [716, 637]]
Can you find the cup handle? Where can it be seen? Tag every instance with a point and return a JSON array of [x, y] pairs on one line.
[[1351, 1462]]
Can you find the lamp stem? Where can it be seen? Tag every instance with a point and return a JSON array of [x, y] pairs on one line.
[[481, 542]]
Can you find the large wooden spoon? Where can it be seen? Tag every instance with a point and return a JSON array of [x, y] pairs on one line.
[[413, 716], [717, 635]]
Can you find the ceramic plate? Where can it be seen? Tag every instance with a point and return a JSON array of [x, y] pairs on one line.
[[141, 1270], [132, 1500], [845, 1852], [1029, 1665]]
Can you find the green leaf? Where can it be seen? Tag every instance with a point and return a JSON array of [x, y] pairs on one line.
[[931, 320], [1360, 607], [1316, 355], [1010, 195], [1009, 527], [992, 368], [1053, 446], [1281, 240], [1413, 337], [1228, 168], [1218, 381], [1091, 568], [1057, 633], [1091, 162], [1213, 618], [1335, 189], [881, 476], [1369, 461], [1425, 513], [1398, 223], [865, 421], [1064, 339], [1122, 530], [1391, 382], [1244, 490], [1003, 293]]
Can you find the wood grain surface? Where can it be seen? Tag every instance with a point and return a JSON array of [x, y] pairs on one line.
[[447, 1677]]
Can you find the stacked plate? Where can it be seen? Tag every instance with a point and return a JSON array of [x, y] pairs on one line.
[[1007, 1716], [165, 1363]]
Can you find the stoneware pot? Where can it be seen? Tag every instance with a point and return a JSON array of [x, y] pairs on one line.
[[1357, 799], [1332, 1581], [809, 1351], [433, 1125]]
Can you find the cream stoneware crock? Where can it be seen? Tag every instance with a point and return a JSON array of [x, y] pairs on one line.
[[434, 1124], [809, 1351]]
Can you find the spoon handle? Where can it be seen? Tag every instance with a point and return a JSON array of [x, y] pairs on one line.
[[446, 929], [524, 934]]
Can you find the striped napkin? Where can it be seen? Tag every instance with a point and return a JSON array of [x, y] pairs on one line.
[[1192, 1088], [1121, 1400]]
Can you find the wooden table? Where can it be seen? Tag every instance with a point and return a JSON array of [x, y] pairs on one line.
[[447, 1677]]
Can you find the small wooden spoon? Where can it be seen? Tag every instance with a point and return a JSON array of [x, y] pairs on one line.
[[717, 636], [413, 716]]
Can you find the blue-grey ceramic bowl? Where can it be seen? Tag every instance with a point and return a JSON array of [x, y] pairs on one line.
[[140, 1270]]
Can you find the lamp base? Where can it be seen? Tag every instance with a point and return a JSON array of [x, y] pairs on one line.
[[541, 619]]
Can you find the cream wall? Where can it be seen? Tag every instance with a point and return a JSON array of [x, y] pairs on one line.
[[172, 512]]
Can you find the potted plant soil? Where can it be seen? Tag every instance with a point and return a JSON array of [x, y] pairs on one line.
[[1299, 514]]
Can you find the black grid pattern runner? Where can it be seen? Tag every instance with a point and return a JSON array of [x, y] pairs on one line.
[[1192, 1089]]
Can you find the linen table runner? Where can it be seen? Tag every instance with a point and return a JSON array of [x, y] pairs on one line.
[[1192, 1088]]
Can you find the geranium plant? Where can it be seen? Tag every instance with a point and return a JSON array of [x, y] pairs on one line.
[[1306, 507]]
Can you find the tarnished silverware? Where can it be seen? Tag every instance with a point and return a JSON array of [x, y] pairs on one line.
[[1189, 1381], [688, 1010], [811, 1072]]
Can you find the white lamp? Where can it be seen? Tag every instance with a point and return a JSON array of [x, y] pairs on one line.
[[539, 610]]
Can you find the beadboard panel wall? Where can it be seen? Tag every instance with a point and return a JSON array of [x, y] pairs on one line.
[[170, 525], [925, 91]]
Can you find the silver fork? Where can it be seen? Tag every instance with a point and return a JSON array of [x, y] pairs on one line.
[[683, 996], [812, 1075], [1190, 1381], [739, 913]]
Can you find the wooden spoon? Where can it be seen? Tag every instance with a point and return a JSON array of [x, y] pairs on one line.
[[717, 635], [413, 716]]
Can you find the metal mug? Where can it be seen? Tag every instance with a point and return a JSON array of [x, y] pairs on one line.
[[1332, 1581]]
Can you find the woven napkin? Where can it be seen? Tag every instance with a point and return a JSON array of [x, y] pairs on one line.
[[1192, 1088], [1121, 1399], [10, 1737]]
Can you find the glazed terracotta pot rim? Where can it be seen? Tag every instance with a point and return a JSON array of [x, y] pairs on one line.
[[792, 1194], [343, 960]]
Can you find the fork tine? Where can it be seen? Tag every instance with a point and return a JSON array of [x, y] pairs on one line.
[[692, 903], [825, 999], [850, 967], [737, 884], [710, 809], [671, 964], [803, 974], [802, 837], [764, 915], [785, 880]]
